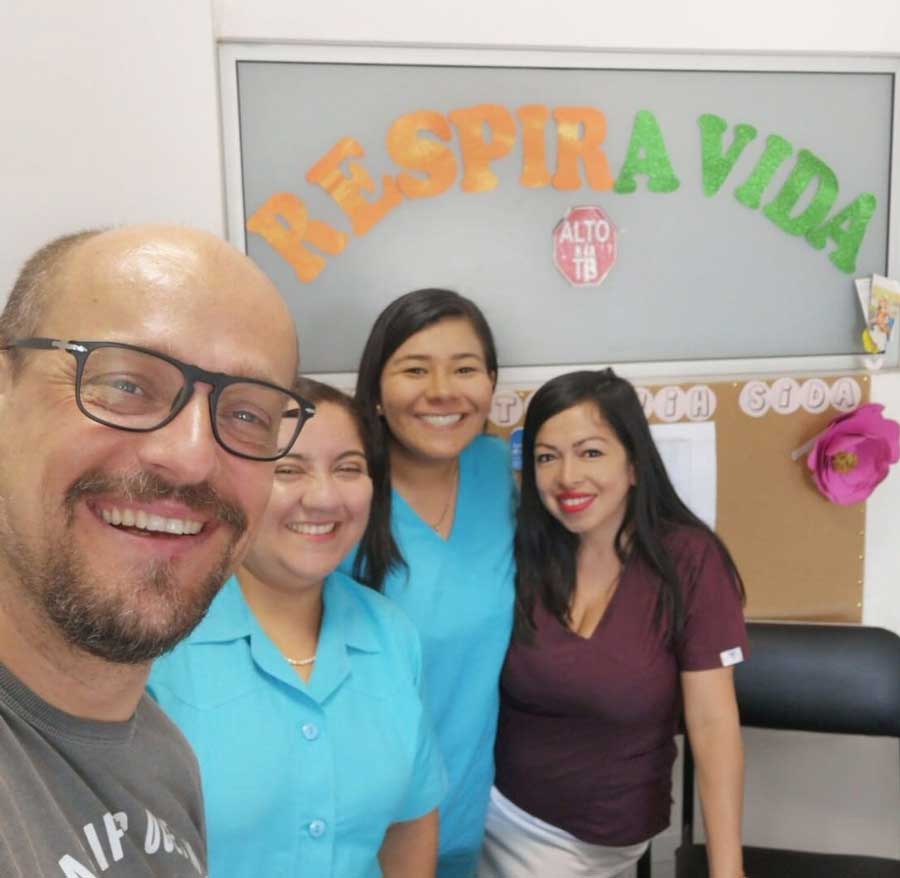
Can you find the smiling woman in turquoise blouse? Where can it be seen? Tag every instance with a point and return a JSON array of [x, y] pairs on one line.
[[426, 380], [301, 689]]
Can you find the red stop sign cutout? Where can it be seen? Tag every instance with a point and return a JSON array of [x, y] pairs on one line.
[[584, 246]]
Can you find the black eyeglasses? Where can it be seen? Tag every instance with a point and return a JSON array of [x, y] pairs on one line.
[[136, 389]]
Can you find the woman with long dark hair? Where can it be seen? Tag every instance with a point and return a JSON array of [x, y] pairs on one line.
[[628, 606], [301, 689], [426, 381]]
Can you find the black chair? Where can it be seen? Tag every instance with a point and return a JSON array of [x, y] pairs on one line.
[[839, 679]]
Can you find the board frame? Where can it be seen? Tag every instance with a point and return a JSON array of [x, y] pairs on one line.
[[230, 53]]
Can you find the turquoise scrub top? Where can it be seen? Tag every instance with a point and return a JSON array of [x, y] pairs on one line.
[[459, 594], [304, 778]]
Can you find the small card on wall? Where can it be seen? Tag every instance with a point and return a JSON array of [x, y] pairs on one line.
[[879, 299], [688, 451]]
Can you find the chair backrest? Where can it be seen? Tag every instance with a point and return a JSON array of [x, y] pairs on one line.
[[842, 679]]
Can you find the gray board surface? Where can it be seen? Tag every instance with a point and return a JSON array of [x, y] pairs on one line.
[[697, 277]]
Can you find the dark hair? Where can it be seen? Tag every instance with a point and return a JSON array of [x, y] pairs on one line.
[[403, 318], [546, 551], [365, 567], [28, 298]]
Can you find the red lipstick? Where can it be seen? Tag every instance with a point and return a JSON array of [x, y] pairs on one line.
[[571, 502]]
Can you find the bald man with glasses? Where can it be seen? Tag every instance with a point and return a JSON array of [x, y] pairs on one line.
[[144, 374]]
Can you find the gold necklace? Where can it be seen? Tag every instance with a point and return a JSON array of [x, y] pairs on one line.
[[450, 494]]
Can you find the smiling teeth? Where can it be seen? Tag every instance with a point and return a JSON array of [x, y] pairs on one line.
[[315, 530], [580, 501], [144, 521], [441, 420]]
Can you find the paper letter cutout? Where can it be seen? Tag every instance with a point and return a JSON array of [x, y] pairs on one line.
[[347, 191], [846, 229], [647, 155], [808, 169], [716, 166], [845, 394], [784, 396], [422, 153], [534, 146], [776, 151], [507, 408], [478, 153], [754, 398], [814, 396], [701, 403], [670, 403], [580, 132], [283, 221]]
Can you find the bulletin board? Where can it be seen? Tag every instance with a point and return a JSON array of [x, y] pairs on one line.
[[801, 557], [745, 195]]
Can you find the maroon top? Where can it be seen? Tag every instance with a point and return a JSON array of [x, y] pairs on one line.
[[585, 740]]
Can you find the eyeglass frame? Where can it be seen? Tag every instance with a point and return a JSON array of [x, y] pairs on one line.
[[191, 374]]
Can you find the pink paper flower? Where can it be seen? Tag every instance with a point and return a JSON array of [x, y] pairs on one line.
[[854, 453]]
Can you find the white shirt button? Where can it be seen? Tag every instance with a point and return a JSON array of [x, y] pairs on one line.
[[317, 828]]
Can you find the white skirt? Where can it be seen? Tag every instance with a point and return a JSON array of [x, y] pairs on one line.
[[517, 845]]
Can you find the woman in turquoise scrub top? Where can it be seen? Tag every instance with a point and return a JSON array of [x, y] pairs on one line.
[[426, 380], [301, 689]]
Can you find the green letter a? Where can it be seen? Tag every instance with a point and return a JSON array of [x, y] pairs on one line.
[[846, 229], [647, 155]]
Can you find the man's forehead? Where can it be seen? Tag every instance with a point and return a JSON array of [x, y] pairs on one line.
[[156, 257], [184, 292], [157, 263], [168, 260]]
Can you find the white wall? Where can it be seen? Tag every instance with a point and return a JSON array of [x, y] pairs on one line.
[[881, 590], [109, 115], [870, 26]]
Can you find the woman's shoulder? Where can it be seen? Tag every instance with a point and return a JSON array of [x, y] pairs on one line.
[[490, 455], [702, 561], [227, 618], [687, 541], [687, 547], [381, 615], [211, 657], [489, 448]]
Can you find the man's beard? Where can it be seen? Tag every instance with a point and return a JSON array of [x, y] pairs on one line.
[[111, 621], [112, 626]]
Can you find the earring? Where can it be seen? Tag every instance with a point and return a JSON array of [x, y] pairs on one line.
[[379, 410]]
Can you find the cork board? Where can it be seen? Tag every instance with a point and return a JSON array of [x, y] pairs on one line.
[[800, 555]]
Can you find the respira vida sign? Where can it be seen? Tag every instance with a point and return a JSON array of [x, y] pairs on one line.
[[417, 142]]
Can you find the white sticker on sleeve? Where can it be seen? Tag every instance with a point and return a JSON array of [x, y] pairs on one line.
[[732, 656]]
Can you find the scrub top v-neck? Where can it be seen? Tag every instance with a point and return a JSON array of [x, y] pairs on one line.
[[459, 594]]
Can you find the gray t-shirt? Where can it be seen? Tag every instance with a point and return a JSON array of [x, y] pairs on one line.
[[84, 799]]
